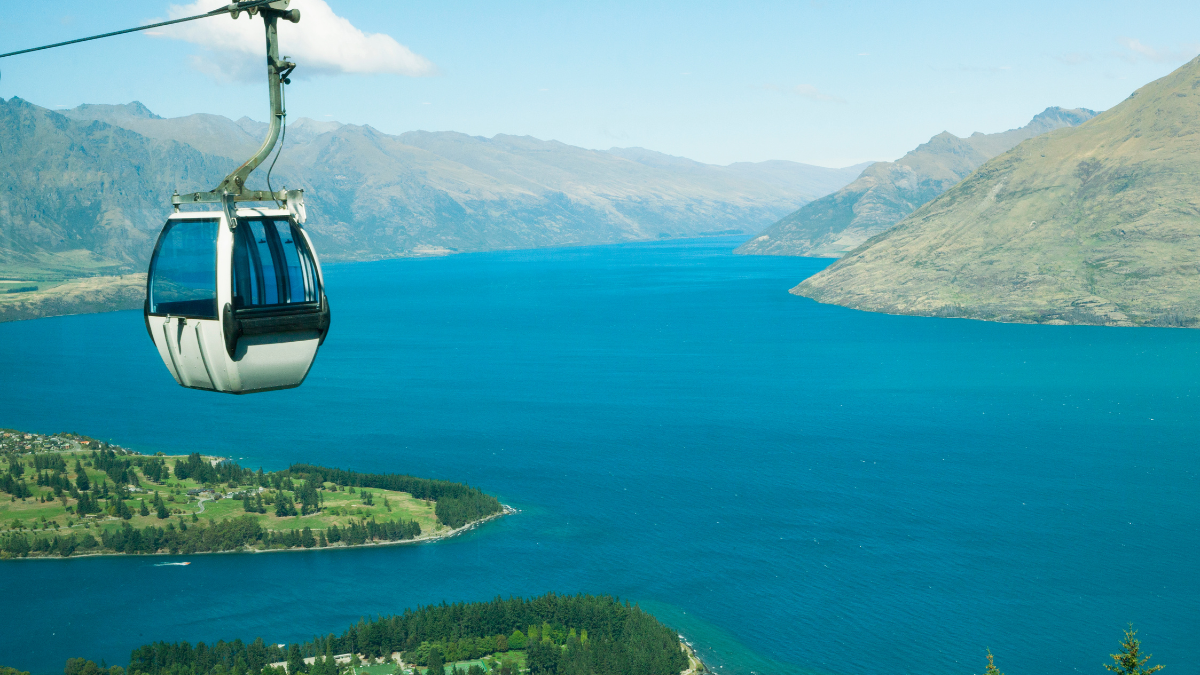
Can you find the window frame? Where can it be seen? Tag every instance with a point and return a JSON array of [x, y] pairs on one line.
[[151, 274], [282, 281]]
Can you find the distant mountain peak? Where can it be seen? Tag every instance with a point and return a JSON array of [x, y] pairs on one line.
[[886, 192], [1094, 224], [110, 111]]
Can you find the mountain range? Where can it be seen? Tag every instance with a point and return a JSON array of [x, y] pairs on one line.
[[886, 192], [84, 192], [1094, 224], [98, 178]]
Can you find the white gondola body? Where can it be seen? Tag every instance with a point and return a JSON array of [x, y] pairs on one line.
[[274, 343]]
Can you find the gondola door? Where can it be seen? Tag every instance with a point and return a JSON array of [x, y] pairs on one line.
[[278, 314], [184, 290]]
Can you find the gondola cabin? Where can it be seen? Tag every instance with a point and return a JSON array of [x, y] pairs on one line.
[[235, 299]]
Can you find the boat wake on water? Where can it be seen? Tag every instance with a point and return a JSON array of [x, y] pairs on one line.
[[174, 564]]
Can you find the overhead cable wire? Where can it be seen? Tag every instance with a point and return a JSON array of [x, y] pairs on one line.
[[235, 7]]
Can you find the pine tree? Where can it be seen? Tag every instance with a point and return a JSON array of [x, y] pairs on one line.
[[295, 662], [991, 667], [435, 663], [144, 510], [1129, 660], [330, 664]]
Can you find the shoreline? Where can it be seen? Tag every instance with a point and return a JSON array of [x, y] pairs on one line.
[[693, 659], [506, 510]]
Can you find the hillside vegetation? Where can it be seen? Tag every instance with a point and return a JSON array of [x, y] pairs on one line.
[[1097, 224], [886, 192], [72, 495], [546, 635]]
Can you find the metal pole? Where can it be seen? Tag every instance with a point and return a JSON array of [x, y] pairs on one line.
[[276, 69]]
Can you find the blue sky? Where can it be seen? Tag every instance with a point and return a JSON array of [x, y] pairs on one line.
[[818, 82]]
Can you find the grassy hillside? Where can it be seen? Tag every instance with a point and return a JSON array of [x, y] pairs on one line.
[[886, 192], [186, 504], [1097, 224]]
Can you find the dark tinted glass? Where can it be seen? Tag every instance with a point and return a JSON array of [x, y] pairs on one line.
[[271, 265], [183, 274]]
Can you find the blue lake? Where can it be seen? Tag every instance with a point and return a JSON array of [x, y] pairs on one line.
[[795, 487]]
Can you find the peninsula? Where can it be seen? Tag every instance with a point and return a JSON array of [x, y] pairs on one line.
[[67, 495], [597, 635]]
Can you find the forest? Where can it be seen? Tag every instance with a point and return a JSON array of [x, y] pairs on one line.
[[559, 635]]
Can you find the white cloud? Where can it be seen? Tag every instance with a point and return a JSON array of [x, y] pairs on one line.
[[1137, 51], [809, 91], [322, 43]]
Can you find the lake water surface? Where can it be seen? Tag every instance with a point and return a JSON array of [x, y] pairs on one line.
[[795, 487]]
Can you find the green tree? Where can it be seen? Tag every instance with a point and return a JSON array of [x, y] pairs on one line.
[[295, 662], [284, 506], [81, 481], [144, 510], [435, 664], [1129, 660], [991, 667], [330, 664]]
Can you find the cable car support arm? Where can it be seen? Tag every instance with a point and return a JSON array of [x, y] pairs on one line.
[[233, 187]]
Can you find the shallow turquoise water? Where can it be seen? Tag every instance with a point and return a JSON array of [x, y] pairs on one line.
[[794, 486]]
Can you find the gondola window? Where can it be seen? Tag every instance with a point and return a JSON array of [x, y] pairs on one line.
[[183, 273], [271, 265]]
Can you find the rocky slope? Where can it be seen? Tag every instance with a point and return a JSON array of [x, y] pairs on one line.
[[1096, 224], [886, 192]]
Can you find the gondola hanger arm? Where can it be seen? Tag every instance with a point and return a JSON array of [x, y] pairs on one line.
[[233, 187]]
